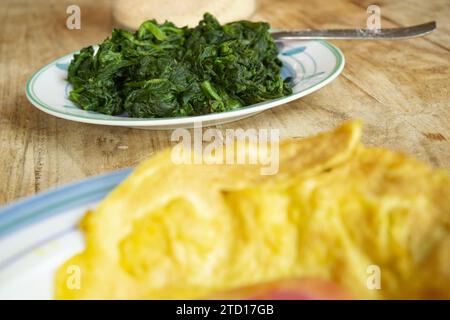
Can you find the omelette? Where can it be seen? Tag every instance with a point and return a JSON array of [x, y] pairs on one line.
[[334, 209]]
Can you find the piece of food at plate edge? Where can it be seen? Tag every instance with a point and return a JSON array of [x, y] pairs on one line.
[[335, 208], [165, 71]]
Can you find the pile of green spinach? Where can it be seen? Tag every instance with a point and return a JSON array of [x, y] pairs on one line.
[[165, 71]]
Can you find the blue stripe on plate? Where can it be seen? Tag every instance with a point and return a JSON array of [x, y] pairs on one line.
[[294, 51], [46, 204]]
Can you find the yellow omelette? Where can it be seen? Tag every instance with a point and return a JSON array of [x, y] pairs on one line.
[[334, 209]]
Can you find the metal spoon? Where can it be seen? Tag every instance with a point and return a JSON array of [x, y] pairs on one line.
[[356, 34]]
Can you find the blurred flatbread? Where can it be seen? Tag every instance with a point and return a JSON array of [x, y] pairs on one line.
[[131, 13]]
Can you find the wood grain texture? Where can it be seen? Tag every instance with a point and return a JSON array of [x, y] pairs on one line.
[[400, 89]]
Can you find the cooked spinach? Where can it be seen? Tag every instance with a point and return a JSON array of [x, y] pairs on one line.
[[165, 71]]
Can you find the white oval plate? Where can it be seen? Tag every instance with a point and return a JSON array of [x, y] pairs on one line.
[[310, 64], [39, 233]]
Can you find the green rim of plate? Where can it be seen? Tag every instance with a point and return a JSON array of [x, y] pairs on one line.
[[32, 96]]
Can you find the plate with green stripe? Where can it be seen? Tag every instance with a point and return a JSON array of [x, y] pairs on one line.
[[310, 65]]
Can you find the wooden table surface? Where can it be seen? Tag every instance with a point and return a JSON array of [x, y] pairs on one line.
[[400, 89]]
